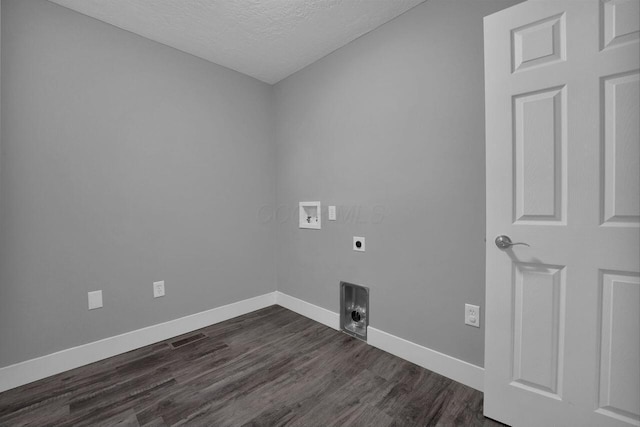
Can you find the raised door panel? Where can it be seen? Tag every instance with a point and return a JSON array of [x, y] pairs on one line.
[[621, 150], [539, 43], [538, 328], [619, 389], [619, 22], [540, 156]]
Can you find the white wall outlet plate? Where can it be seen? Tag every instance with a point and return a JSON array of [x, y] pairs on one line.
[[158, 289], [310, 215], [332, 213], [358, 244], [472, 315], [95, 300]]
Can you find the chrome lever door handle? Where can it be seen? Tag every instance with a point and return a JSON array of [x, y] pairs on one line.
[[504, 242]]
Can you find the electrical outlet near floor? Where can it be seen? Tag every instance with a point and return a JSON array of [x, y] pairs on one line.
[[158, 289], [472, 315], [95, 300]]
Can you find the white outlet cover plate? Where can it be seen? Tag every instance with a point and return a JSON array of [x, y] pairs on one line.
[[472, 315], [95, 300], [362, 244], [158, 289], [332, 213]]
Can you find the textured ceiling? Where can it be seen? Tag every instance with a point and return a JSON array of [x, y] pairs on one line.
[[266, 39]]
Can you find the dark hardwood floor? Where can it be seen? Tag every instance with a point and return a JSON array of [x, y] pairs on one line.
[[271, 367]]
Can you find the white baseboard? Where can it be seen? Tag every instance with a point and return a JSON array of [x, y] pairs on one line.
[[450, 367], [313, 312], [35, 369]]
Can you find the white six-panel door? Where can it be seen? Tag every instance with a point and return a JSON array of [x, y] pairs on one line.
[[563, 175]]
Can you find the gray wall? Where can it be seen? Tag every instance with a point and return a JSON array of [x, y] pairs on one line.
[[390, 129], [123, 162]]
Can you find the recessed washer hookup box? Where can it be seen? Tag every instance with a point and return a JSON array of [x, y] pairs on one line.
[[354, 310]]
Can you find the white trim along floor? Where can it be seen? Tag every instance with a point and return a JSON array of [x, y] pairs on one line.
[[41, 367]]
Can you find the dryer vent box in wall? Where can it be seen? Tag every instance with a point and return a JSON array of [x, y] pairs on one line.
[[310, 215], [354, 310]]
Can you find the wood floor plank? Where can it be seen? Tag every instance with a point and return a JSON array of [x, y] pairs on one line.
[[344, 403], [271, 367], [363, 416]]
